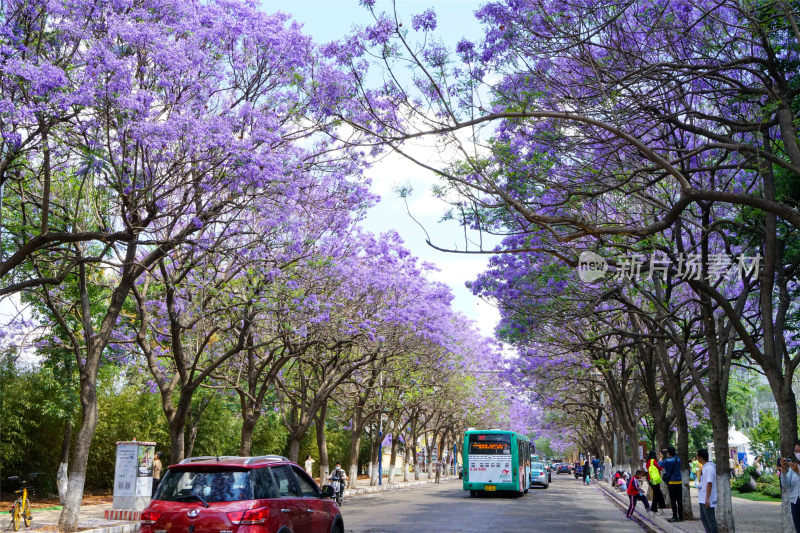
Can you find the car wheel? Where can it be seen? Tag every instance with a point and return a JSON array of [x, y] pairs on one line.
[[547, 485], [338, 527]]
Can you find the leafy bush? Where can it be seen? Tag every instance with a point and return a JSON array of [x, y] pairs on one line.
[[743, 484], [752, 472], [770, 486]]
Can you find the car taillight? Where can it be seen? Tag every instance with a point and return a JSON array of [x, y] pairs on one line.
[[150, 517], [250, 517]]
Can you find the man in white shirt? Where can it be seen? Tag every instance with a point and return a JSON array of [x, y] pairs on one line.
[[707, 492]]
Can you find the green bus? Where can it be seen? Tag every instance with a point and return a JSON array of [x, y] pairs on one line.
[[496, 460]]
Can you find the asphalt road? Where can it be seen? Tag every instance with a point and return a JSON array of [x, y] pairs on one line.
[[566, 506]]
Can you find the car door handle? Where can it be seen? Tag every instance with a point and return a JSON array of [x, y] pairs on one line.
[[286, 510], [310, 510]]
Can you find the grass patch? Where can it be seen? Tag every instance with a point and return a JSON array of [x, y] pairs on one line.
[[754, 496]]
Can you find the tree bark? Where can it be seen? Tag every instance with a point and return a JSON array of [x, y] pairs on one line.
[[294, 446], [62, 479], [248, 427], [322, 442], [684, 455], [393, 456], [787, 423], [68, 521], [355, 445], [375, 453], [416, 455], [406, 462]]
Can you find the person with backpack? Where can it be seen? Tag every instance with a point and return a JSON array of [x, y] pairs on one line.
[[654, 478], [672, 475], [635, 493]]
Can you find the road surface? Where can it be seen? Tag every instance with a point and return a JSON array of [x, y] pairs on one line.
[[564, 507]]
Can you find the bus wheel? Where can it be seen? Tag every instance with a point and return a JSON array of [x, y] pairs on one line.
[[473, 493]]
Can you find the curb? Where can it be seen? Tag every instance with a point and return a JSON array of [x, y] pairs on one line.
[[394, 486], [130, 527], [651, 523], [128, 515]]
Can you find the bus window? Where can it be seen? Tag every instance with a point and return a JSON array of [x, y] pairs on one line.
[[490, 444]]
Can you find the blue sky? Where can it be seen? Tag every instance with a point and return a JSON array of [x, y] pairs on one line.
[[331, 20]]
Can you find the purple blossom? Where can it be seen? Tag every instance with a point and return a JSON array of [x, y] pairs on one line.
[[425, 21]]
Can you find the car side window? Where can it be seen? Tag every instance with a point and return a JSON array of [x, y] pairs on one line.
[[287, 486], [307, 486], [264, 485]]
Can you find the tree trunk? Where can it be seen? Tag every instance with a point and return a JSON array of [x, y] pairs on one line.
[[249, 421], [177, 418], [393, 456], [724, 511], [62, 479], [787, 424], [68, 520], [355, 444], [322, 442], [374, 455], [416, 458], [633, 456], [294, 446], [406, 462], [685, 457]]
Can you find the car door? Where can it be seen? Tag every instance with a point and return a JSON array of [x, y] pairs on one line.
[[312, 501], [290, 499]]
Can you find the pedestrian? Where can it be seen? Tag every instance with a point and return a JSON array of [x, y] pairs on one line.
[[635, 494], [595, 466], [672, 475], [654, 478], [790, 474], [707, 493], [438, 471], [587, 472], [158, 467], [694, 472], [310, 466], [731, 467]]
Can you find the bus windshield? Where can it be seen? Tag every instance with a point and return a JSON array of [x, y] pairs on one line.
[[490, 444]]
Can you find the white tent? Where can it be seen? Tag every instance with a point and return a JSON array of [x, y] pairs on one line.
[[738, 443]]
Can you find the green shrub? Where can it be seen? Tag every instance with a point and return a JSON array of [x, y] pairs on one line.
[[752, 472], [743, 484], [769, 486]]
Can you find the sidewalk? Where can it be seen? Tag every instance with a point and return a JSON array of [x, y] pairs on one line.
[[750, 517], [92, 516], [91, 519], [366, 489]]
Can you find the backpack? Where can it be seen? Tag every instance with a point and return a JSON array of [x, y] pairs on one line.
[[655, 475]]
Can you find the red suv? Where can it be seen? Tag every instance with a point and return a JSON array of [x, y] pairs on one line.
[[267, 494]]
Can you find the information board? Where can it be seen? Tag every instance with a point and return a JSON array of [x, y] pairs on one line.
[[126, 470]]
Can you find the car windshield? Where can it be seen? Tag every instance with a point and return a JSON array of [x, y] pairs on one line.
[[537, 466], [205, 485]]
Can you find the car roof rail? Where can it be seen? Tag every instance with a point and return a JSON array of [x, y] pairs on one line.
[[251, 460], [207, 458]]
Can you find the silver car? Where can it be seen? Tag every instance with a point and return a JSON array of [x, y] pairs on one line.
[[539, 475]]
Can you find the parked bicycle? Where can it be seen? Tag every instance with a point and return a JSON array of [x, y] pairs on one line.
[[22, 505]]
